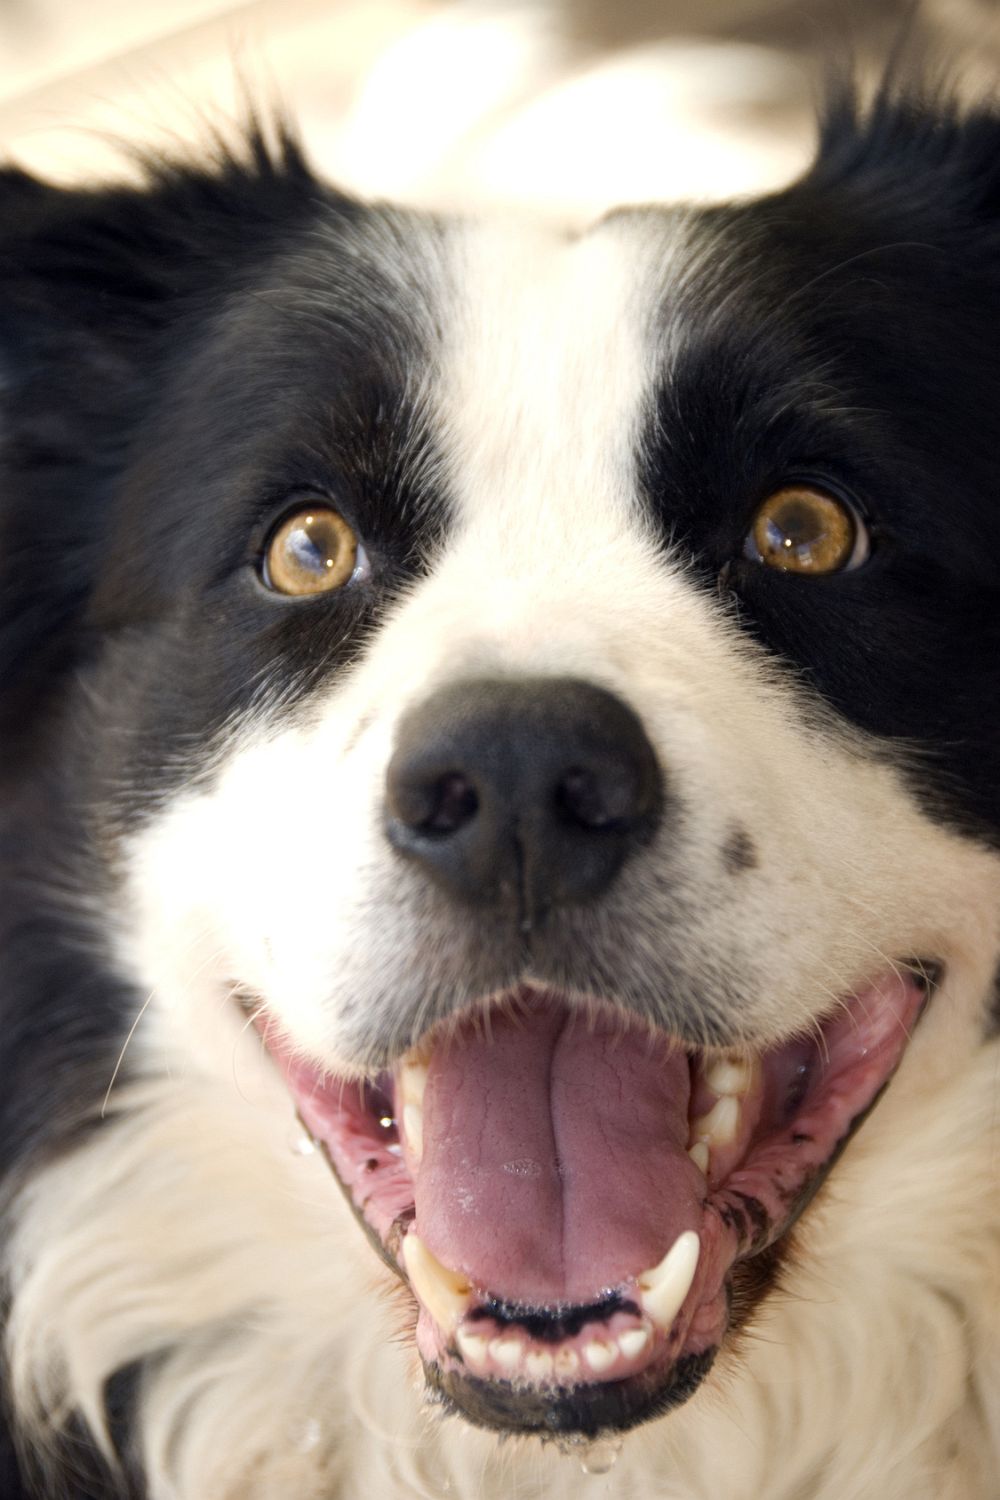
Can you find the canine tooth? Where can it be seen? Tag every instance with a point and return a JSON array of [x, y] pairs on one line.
[[413, 1080], [566, 1363], [633, 1341], [507, 1352], [730, 1075], [721, 1125], [599, 1355], [538, 1364], [472, 1346], [444, 1293], [700, 1155], [413, 1128], [664, 1287]]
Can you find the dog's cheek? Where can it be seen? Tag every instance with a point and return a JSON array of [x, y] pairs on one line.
[[250, 884]]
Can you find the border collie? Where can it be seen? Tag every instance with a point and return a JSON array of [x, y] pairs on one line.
[[500, 801]]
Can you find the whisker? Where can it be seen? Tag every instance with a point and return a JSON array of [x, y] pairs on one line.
[[125, 1045], [212, 957]]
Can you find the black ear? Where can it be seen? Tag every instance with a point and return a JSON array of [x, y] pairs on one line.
[[99, 288], [914, 141]]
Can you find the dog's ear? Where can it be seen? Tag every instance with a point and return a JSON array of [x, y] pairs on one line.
[[98, 287], [917, 144]]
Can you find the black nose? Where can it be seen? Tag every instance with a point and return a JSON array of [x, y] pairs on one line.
[[530, 793]]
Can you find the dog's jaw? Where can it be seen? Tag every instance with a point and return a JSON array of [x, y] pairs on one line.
[[491, 1142]]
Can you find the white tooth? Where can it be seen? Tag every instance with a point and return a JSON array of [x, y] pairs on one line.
[[538, 1364], [633, 1341], [664, 1287], [721, 1125], [472, 1346], [413, 1128], [599, 1355], [567, 1362], [507, 1352], [413, 1078], [700, 1155], [444, 1293], [730, 1075]]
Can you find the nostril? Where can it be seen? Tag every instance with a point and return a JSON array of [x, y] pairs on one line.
[[595, 798], [442, 805], [455, 802], [580, 798]]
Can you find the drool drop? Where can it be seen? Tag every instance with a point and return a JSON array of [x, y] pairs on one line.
[[599, 1456]]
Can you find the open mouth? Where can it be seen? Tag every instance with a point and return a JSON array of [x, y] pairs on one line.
[[576, 1201]]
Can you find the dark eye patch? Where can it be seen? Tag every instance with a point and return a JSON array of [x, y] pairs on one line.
[[854, 381]]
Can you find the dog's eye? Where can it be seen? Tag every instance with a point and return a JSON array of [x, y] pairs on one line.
[[312, 551], [803, 530]]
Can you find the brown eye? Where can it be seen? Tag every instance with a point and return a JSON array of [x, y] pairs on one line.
[[313, 551], [802, 530]]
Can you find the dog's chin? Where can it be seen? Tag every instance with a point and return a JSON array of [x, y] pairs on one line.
[[583, 1207]]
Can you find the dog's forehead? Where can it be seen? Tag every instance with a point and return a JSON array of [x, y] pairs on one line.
[[549, 358]]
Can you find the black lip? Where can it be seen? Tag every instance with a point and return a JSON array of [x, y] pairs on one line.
[[552, 1325], [582, 1410]]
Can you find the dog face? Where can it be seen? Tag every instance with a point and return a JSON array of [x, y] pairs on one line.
[[541, 688]]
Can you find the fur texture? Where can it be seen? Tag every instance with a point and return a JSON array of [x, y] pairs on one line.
[[552, 449]]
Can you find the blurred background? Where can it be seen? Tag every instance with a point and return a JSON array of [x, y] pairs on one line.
[[565, 107]]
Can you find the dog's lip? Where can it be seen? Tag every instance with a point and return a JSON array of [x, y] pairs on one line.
[[744, 1214]]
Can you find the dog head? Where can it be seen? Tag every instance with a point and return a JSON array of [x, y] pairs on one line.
[[542, 686]]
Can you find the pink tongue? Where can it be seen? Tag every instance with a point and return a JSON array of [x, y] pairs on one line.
[[554, 1164]]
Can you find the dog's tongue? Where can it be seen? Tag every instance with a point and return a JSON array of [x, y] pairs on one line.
[[554, 1160]]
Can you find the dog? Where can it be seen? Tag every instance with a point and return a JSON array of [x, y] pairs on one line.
[[501, 834]]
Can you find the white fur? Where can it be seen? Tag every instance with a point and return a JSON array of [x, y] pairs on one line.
[[188, 1226]]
